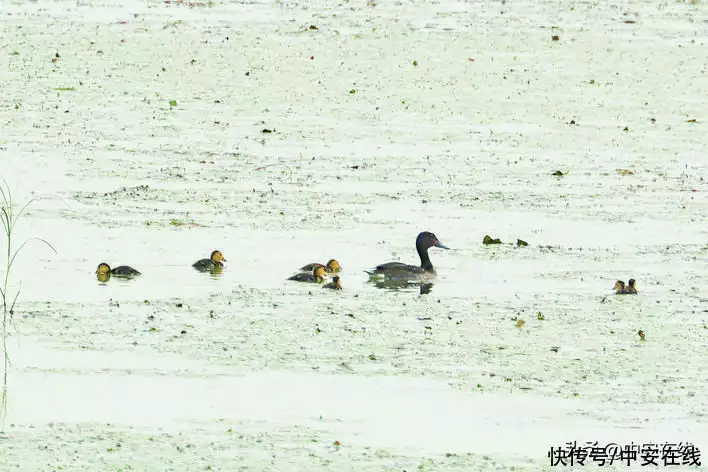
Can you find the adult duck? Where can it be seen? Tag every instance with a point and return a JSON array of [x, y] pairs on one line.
[[399, 270]]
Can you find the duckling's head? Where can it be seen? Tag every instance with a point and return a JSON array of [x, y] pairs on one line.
[[632, 284], [337, 282], [103, 269], [319, 272], [333, 266], [619, 286], [217, 257]]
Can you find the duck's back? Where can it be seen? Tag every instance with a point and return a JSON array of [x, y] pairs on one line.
[[204, 264], [398, 267], [311, 267]]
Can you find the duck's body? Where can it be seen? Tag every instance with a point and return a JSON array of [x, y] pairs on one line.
[[399, 270], [332, 266], [316, 276], [215, 261], [104, 271], [335, 284]]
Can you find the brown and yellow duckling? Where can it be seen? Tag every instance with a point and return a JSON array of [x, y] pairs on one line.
[[316, 276], [215, 261], [332, 266], [335, 284], [104, 272], [619, 287], [631, 288]]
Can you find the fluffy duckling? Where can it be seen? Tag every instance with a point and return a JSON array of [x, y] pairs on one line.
[[215, 261], [104, 272], [335, 284], [631, 288], [619, 288], [316, 276], [332, 266]]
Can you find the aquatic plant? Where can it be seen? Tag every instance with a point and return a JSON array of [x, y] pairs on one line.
[[9, 219]]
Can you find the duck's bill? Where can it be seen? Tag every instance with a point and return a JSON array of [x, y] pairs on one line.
[[441, 245]]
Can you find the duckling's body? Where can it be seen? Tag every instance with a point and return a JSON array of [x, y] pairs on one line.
[[335, 284], [619, 288], [399, 270], [104, 271], [332, 266], [215, 261], [316, 276]]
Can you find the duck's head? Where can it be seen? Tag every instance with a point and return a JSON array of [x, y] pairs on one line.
[[619, 286], [217, 257], [426, 240], [319, 272], [103, 269], [333, 266]]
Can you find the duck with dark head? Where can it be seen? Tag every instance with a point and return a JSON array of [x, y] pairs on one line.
[[399, 270]]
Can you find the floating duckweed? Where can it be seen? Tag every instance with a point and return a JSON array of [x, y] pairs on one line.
[[173, 103], [489, 240], [540, 316]]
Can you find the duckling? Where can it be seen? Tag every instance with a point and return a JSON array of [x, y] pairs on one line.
[[631, 288], [619, 288], [332, 266], [215, 261], [316, 276], [335, 284], [104, 272]]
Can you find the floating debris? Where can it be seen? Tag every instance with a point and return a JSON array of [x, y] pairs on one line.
[[521, 243], [489, 240]]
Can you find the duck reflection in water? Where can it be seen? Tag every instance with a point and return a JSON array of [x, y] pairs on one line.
[[403, 284]]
